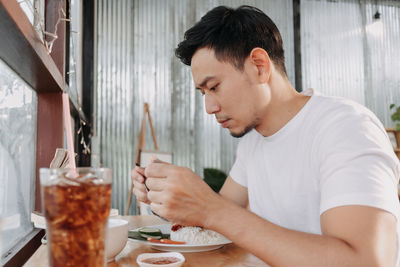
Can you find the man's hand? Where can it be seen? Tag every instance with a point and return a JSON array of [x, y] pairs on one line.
[[139, 189], [180, 195]]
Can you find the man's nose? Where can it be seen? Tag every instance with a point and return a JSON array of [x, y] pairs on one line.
[[212, 105]]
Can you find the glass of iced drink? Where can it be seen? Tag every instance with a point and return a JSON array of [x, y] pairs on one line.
[[76, 206]]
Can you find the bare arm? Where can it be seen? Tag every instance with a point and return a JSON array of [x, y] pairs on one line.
[[351, 236], [234, 192]]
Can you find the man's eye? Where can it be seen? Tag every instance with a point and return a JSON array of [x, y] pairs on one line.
[[214, 88]]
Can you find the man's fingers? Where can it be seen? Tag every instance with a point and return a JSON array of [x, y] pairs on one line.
[[137, 175], [138, 178], [139, 185], [141, 196], [140, 170], [154, 196], [155, 184], [156, 208], [158, 170]]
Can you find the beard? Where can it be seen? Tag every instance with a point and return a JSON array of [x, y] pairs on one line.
[[247, 129]]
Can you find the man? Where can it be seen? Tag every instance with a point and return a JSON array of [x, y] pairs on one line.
[[319, 173]]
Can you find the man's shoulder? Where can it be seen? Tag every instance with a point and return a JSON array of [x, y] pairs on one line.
[[337, 120], [331, 109], [346, 123]]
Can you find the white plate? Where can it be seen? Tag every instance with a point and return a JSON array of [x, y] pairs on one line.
[[166, 229]]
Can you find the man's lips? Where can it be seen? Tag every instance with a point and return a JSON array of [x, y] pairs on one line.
[[224, 122]]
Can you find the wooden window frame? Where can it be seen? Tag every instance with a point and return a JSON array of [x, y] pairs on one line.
[[23, 51]]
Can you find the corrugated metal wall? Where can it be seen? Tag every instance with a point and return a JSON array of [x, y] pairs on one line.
[[345, 54], [114, 125], [136, 64], [383, 52]]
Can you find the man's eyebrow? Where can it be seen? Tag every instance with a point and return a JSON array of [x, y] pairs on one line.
[[204, 82]]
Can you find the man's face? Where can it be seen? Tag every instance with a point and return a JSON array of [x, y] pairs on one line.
[[236, 97]]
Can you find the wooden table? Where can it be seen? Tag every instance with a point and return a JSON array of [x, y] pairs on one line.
[[229, 255]]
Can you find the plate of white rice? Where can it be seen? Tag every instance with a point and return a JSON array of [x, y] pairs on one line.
[[197, 239]]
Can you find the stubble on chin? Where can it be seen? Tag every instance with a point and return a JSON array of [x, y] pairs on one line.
[[247, 129]]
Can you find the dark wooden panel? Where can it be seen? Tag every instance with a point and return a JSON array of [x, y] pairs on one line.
[[22, 50], [49, 134], [88, 9], [19, 254]]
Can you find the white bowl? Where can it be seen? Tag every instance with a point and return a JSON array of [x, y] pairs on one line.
[[117, 236], [144, 256]]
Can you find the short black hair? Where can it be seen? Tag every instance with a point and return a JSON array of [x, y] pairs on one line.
[[232, 34]]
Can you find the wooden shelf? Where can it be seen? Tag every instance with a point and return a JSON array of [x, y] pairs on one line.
[[22, 49]]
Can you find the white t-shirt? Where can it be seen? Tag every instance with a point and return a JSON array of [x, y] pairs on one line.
[[333, 152]]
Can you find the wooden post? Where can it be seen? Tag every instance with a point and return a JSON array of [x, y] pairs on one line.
[[49, 117]]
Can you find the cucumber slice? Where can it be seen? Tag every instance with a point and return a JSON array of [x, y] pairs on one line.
[[152, 236], [135, 235], [150, 231]]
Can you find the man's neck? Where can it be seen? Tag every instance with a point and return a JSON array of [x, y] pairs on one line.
[[285, 103]]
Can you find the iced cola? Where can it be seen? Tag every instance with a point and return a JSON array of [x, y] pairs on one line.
[[76, 211]]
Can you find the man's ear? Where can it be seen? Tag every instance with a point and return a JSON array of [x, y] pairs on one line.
[[260, 58]]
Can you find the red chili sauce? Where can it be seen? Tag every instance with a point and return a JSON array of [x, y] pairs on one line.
[[161, 260]]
